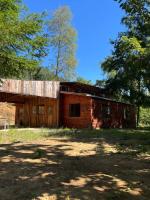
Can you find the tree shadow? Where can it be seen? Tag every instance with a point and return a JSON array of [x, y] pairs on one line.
[[59, 174]]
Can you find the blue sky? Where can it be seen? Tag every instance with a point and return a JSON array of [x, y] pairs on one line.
[[96, 21]]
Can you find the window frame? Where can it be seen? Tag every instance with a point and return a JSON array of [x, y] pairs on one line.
[[49, 110], [34, 110], [39, 110], [126, 113], [21, 111], [106, 111], [75, 110]]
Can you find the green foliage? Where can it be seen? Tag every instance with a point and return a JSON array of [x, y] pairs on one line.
[[128, 67], [82, 80], [137, 18], [62, 38], [101, 83], [125, 63], [39, 153], [22, 41], [145, 117], [39, 73]]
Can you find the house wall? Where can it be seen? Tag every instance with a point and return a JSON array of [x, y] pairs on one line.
[[83, 88], [116, 118], [35, 88], [92, 113], [26, 117], [84, 121]]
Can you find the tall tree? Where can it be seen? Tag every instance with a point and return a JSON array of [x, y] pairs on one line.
[[129, 64], [22, 41], [62, 43]]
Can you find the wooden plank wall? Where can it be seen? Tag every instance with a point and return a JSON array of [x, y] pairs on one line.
[[29, 119], [34, 88]]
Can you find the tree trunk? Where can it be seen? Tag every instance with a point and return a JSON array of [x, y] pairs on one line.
[[57, 60], [138, 116]]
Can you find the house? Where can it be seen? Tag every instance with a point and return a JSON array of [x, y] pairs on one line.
[[65, 104]]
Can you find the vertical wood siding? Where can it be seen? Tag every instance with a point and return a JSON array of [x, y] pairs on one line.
[[34, 88], [29, 119]]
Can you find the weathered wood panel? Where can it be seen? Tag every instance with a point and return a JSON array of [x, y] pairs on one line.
[[34, 88], [26, 117]]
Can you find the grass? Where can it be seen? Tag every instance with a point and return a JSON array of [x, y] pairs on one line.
[[129, 140], [70, 164]]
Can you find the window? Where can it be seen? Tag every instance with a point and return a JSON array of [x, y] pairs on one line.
[[41, 110], [126, 113], [64, 88], [34, 110], [21, 111], [49, 110], [74, 110], [38, 110], [106, 111]]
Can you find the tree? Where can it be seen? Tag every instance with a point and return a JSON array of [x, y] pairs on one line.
[[145, 117], [129, 63], [62, 38], [137, 20], [128, 77], [83, 80], [22, 41], [39, 73]]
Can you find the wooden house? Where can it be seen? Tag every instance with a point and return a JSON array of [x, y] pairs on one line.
[[65, 104]]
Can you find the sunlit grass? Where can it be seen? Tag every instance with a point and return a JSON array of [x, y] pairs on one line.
[[125, 140]]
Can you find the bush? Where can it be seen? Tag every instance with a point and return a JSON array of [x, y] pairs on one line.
[[145, 117]]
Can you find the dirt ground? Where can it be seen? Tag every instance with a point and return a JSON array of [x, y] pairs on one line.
[[72, 169]]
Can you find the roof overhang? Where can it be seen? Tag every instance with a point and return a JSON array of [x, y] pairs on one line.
[[95, 97], [48, 89]]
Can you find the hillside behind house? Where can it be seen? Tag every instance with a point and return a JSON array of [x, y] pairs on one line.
[[7, 114]]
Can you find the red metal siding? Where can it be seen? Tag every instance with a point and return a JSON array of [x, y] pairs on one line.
[[92, 115], [116, 118], [84, 121]]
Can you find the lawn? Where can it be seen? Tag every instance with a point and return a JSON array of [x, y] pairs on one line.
[[65, 164]]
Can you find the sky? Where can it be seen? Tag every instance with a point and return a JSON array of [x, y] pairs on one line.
[[96, 22]]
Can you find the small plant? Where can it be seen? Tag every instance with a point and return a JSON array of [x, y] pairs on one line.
[[39, 153], [67, 198]]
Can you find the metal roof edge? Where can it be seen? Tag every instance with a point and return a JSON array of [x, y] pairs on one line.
[[93, 96]]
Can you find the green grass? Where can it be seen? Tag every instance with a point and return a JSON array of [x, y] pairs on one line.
[[132, 141]]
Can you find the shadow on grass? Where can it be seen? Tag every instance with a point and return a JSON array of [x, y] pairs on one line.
[[136, 141], [60, 175]]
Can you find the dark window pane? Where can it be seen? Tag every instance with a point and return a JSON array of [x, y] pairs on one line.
[[34, 110], [106, 111], [41, 110], [74, 110], [126, 113], [49, 110], [21, 111]]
